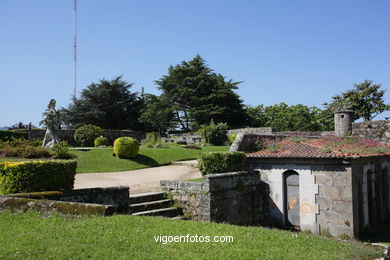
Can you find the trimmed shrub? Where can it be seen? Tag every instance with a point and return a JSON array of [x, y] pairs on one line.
[[214, 134], [8, 135], [126, 147], [60, 151], [31, 176], [100, 141], [231, 138], [220, 162], [152, 139], [86, 135], [23, 149]]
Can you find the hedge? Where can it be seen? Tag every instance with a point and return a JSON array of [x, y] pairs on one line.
[[8, 135], [32, 176], [126, 147], [220, 162]]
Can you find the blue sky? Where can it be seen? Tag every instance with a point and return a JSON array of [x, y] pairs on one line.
[[301, 51]]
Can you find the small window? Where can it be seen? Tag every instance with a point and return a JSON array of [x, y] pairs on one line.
[[342, 116]]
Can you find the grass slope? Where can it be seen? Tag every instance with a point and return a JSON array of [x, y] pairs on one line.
[[28, 236], [101, 160]]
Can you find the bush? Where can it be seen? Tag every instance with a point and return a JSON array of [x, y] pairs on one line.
[[220, 162], [31, 176], [100, 141], [86, 135], [23, 148], [60, 151], [214, 134], [8, 135], [231, 138], [152, 139], [126, 147]]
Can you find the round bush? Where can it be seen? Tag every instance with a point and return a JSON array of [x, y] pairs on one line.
[[100, 141], [86, 135], [126, 147]]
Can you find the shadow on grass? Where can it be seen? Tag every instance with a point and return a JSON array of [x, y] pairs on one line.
[[145, 160], [380, 234]]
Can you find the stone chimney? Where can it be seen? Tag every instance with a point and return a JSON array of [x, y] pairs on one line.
[[343, 119]]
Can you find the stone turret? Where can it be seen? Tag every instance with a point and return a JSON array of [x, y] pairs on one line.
[[343, 119]]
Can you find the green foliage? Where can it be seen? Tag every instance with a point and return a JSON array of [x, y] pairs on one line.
[[366, 99], [214, 134], [199, 95], [30, 176], [289, 118], [8, 135], [87, 134], [152, 139], [220, 162], [108, 104], [60, 151], [231, 138], [126, 147], [23, 149], [157, 114], [101, 141]]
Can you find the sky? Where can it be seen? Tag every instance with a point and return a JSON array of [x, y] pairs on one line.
[[297, 52]]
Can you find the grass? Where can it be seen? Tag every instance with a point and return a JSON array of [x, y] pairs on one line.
[[101, 160], [29, 236]]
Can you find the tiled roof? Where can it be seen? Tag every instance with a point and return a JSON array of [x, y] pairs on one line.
[[288, 148]]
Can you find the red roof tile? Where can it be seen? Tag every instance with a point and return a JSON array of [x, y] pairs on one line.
[[310, 148]]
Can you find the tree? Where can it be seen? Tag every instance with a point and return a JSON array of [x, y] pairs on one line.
[[157, 114], [287, 118], [365, 99], [198, 95], [20, 125], [108, 104]]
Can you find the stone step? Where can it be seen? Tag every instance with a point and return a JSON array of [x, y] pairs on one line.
[[165, 212], [150, 205], [180, 217], [146, 197]]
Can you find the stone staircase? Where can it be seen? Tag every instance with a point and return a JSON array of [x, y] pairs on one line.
[[154, 204]]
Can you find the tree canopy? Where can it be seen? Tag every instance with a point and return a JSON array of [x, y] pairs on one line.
[[366, 99], [198, 95], [108, 104], [287, 118], [157, 114]]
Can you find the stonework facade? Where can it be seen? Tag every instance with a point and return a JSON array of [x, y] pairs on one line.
[[336, 196]]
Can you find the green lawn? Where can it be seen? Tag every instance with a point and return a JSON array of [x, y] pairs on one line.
[[29, 236], [101, 160]]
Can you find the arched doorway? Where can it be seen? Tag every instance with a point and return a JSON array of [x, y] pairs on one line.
[[291, 198]]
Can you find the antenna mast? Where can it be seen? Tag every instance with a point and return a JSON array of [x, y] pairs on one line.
[[74, 48]]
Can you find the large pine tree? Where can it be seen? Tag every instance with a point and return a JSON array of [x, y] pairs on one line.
[[108, 104], [199, 95]]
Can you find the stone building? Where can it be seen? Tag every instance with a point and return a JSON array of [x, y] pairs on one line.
[[323, 190]]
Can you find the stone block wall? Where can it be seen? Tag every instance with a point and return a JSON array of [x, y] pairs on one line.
[[237, 198], [252, 130], [116, 197], [376, 130]]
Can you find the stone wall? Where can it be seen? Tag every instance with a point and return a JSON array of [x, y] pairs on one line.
[[376, 130], [237, 198], [67, 135], [48, 207], [115, 197], [252, 130]]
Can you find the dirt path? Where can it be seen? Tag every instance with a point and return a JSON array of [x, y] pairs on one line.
[[141, 180]]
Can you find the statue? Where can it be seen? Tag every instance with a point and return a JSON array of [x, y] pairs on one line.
[[52, 121]]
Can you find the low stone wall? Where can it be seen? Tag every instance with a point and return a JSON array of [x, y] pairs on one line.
[[44, 206], [67, 135], [183, 138], [252, 130], [117, 198], [238, 198], [374, 130]]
